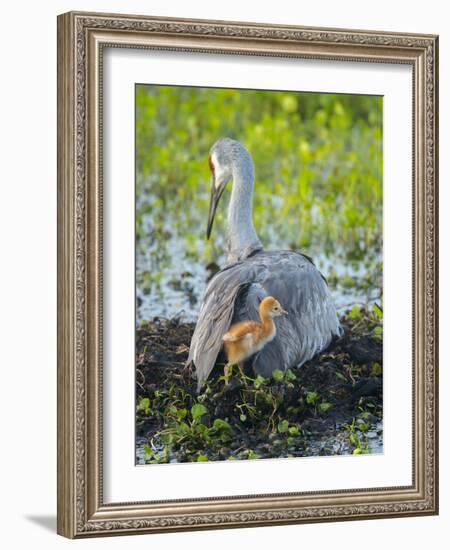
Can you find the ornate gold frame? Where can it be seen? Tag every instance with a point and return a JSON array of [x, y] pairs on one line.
[[81, 38]]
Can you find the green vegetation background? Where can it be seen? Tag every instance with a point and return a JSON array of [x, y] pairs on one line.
[[318, 163]]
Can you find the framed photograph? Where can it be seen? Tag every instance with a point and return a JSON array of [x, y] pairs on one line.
[[247, 276]]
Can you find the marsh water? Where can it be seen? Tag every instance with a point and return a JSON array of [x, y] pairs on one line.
[[171, 281]]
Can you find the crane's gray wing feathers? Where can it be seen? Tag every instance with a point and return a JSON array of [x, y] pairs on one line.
[[311, 323], [234, 295], [216, 314], [246, 305]]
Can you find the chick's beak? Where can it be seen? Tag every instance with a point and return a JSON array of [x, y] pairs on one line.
[[283, 311], [216, 193]]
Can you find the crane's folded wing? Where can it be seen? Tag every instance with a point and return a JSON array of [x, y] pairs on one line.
[[216, 314], [234, 295]]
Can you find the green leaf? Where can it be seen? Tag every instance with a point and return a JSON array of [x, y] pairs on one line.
[[201, 429], [243, 417], [290, 376], [289, 103], [198, 410], [181, 413], [311, 397], [144, 404], [278, 375], [378, 312], [357, 451], [148, 451], [377, 369], [221, 425], [202, 458], [259, 381], [323, 407], [283, 426], [167, 438], [293, 430], [355, 312], [253, 455], [182, 428]]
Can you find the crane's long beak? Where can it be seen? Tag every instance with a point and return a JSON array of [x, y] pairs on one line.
[[214, 201]]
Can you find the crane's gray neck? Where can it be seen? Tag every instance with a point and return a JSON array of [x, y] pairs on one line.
[[242, 239]]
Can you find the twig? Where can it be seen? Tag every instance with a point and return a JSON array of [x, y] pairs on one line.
[[143, 379]]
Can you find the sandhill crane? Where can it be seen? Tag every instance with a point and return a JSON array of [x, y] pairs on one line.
[[252, 274]]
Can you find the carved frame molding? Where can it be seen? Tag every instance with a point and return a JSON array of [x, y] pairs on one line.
[[81, 39]]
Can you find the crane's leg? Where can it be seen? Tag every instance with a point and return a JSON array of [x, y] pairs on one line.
[[228, 371], [241, 366]]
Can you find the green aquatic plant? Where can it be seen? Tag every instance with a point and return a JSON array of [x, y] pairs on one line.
[[357, 436]]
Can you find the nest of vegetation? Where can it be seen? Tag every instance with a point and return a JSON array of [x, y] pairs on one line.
[[330, 405]]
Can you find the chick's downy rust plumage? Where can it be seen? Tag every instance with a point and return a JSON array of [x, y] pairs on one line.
[[246, 338]]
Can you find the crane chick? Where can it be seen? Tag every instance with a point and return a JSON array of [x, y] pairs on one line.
[[246, 338]]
